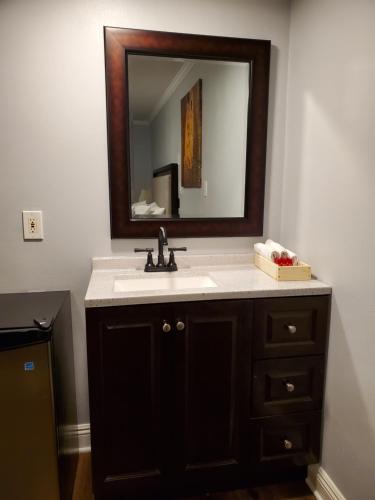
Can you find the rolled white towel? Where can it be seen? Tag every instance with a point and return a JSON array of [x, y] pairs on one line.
[[293, 256], [277, 248], [266, 251], [284, 252]]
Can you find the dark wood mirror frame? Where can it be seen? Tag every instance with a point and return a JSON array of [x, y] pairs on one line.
[[119, 42]]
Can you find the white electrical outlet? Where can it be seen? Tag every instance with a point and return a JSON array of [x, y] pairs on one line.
[[32, 225]]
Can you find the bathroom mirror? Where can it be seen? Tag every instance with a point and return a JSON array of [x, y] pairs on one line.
[[187, 119]]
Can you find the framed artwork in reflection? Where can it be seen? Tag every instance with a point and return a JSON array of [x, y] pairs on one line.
[[191, 137]]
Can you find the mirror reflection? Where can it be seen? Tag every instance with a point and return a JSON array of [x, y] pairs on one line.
[[188, 135]]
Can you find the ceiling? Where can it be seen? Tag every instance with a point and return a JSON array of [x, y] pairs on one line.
[[144, 96]]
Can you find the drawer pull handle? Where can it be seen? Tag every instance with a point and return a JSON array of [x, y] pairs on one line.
[[288, 445], [166, 327], [291, 328], [289, 386], [180, 326]]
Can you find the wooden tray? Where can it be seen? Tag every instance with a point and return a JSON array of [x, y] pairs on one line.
[[301, 272]]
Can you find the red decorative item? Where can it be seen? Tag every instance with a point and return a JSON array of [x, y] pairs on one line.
[[283, 261]]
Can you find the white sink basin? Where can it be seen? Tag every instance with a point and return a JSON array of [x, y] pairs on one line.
[[166, 282]]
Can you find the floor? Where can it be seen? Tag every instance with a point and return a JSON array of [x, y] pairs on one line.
[[288, 491]]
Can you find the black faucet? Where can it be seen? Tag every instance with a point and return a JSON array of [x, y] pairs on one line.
[[162, 242], [161, 266]]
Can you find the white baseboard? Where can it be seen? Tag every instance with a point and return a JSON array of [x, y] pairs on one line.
[[76, 434], [322, 485]]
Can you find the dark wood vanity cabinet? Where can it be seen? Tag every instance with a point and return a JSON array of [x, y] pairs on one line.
[[207, 403]]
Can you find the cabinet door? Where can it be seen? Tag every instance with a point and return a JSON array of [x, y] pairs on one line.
[[124, 361], [212, 367]]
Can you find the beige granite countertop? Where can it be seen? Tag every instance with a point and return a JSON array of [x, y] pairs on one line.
[[235, 275]]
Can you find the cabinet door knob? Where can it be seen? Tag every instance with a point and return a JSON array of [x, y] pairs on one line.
[[289, 386], [291, 328], [180, 325], [166, 327], [288, 445]]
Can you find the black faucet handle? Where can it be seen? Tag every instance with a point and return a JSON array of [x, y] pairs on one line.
[[148, 250], [150, 263], [172, 266], [177, 249]]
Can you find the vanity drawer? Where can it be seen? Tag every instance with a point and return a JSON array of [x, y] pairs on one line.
[[293, 438], [288, 385], [290, 326]]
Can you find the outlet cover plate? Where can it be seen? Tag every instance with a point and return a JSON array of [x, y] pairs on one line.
[[32, 224]]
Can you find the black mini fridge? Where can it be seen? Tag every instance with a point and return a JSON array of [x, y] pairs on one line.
[[37, 396]]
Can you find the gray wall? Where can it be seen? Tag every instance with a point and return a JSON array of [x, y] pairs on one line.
[[328, 213], [224, 129], [53, 141]]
